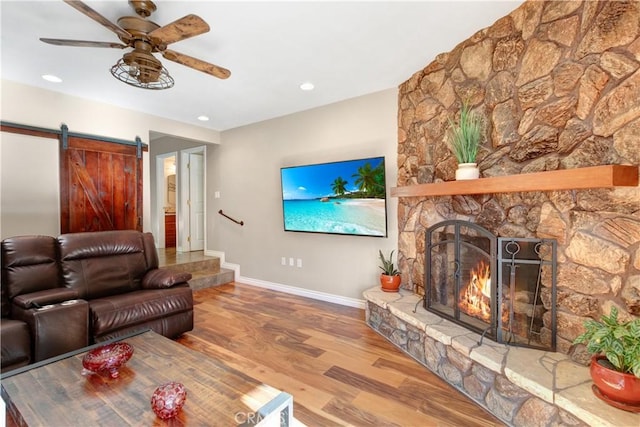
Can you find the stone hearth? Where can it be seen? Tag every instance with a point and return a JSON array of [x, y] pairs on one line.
[[520, 386]]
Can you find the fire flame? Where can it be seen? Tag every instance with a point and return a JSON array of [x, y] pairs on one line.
[[475, 298]]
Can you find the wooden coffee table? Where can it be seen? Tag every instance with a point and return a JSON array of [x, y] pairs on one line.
[[56, 393]]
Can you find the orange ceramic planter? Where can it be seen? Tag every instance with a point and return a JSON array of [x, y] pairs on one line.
[[614, 385], [390, 283]]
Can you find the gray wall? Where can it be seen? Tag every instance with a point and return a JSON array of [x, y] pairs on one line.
[[245, 169]]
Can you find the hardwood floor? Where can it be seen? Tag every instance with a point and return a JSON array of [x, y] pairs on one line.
[[339, 371]]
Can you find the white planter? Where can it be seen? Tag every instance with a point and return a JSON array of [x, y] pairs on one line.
[[467, 171]]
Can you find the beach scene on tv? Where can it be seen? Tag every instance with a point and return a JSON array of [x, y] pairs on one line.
[[347, 197]]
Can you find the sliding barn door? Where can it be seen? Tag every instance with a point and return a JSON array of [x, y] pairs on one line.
[[100, 186]]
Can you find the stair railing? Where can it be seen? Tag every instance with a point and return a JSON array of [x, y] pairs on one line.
[[241, 223]]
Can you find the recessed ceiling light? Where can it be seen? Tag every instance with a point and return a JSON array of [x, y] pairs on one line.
[[203, 118], [51, 78], [307, 86]]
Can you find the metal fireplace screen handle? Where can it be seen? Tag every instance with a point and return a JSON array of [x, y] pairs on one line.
[[537, 292], [512, 248]]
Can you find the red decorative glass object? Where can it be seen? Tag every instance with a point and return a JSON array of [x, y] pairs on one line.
[[168, 399], [107, 359]]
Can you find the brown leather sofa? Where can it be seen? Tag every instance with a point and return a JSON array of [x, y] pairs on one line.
[[61, 294]]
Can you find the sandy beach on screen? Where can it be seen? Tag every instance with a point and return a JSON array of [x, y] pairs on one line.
[[377, 204]]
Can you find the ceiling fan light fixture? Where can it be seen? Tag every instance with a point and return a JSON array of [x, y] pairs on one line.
[[137, 75], [139, 67], [134, 70]]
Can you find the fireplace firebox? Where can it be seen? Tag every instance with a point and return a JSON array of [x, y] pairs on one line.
[[492, 285]]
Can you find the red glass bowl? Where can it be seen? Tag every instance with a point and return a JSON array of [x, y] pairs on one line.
[[168, 399], [108, 358]]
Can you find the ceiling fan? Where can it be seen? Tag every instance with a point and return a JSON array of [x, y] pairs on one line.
[[140, 67]]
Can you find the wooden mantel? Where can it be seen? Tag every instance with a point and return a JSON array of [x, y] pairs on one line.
[[606, 176]]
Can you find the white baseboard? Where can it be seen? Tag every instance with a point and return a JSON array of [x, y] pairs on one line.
[[321, 296], [294, 290], [216, 254]]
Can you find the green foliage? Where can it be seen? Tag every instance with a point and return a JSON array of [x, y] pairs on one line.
[[370, 183], [339, 186], [619, 342], [387, 266], [465, 137]]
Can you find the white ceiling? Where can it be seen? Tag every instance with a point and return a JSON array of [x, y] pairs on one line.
[[345, 48]]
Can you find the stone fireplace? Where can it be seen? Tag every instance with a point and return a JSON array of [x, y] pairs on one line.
[[558, 83], [493, 286]]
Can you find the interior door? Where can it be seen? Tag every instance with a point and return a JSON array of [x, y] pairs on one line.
[[100, 186], [196, 201]]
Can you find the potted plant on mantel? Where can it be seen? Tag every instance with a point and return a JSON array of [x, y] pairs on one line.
[[464, 139], [615, 364], [390, 277]]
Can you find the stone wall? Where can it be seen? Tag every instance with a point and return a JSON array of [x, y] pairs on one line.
[[558, 83]]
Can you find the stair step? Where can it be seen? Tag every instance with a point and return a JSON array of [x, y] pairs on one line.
[[205, 270], [205, 279], [212, 265]]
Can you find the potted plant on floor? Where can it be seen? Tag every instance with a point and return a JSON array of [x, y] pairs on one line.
[[464, 139], [615, 364], [390, 277]]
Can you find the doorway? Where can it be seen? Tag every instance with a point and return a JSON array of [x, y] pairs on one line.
[[166, 199], [180, 199], [192, 200]]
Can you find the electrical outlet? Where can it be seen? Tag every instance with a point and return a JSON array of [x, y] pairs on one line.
[[291, 262], [283, 261], [299, 262]]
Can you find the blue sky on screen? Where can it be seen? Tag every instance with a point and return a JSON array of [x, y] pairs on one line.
[[313, 181]]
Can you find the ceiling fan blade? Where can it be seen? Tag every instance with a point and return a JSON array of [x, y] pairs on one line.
[[80, 6], [183, 28], [82, 43], [197, 64]]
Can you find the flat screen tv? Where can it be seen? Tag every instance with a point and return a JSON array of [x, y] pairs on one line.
[[346, 197]]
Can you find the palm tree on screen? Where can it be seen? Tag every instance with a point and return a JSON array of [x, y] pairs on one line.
[[371, 180], [339, 186], [366, 179]]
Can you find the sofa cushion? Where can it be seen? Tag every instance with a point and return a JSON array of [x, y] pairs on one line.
[[119, 311], [16, 344], [161, 278], [103, 263], [29, 264]]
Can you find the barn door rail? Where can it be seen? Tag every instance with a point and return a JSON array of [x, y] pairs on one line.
[[241, 223], [64, 134]]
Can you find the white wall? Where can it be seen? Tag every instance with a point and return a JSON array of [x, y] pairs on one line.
[[29, 186], [48, 109], [245, 169]]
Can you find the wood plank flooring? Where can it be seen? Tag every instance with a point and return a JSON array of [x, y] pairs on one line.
[[339, 371]]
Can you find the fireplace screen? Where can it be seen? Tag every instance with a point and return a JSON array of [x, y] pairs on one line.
[[494, 286]]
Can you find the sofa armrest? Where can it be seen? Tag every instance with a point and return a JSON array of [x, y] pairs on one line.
[[162, 278], [46, 297], [56, 328]]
